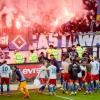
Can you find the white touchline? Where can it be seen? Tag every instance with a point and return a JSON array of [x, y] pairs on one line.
[[64, 97]]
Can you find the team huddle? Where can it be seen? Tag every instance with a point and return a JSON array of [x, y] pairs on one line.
[[73, 74]]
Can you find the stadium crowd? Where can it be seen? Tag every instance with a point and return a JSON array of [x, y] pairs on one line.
[[85, 23]]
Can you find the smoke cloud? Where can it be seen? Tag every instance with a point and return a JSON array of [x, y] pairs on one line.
[[48, 13]]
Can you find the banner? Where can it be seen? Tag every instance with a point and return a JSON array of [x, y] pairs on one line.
[[30, 71], [42, 41], [4, 41], [98, 11]]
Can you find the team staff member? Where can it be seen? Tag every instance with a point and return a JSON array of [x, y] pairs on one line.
[[56, 53], [74, 69], [79, 50], [33, 58], [19, 57], [22, 85], [6, 75], [50, 51]]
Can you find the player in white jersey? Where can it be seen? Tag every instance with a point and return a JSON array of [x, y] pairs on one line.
[[64, 74], [52, 78], [6, 75], [95, 72], [81, 74], [43, 77]]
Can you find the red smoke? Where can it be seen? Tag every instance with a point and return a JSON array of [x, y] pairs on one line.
[[49, 14]]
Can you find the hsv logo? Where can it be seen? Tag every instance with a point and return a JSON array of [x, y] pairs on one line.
[[30, 71], [19, 42]]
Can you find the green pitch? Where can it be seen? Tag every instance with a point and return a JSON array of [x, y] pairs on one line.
[[59, 96]]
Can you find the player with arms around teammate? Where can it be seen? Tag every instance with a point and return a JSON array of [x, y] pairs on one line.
[[65, 74], [52, 78], [43, 77], [95, 72], [22, 85], [6, 75], [88, 77]]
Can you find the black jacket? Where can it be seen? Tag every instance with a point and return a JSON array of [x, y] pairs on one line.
[[74, 69]]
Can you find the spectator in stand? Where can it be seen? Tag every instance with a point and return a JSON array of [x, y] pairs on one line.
[[42, 57], [86, 53], [73, 53]]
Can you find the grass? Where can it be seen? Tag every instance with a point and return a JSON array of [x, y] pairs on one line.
[[60, 96]]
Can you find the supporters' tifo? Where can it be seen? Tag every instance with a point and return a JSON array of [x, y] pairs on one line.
[[50, 47]]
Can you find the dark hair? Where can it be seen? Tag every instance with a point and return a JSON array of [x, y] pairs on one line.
[[4, 62], [73, 46], [41, 52], [15, 67], [51, 55], [52, 62], [51, 46], [78, 44], [31, 51]]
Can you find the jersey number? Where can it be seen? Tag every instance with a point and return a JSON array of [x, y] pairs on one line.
[[97, 67], [5, 69], [53, 71]]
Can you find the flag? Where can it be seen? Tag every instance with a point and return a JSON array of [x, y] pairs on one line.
[[18, 43], [98, 11]]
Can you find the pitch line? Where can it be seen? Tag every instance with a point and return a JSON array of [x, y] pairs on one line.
[[66, 98]]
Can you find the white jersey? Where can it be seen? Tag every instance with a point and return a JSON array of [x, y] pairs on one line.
[[95, 68], [5, 71], [64, 66], [82, 69], [52, 72], [43, 72]]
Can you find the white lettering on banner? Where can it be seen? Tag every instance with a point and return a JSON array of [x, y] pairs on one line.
[[89, 40], [34, 44], [4, 40], [42, 43], [53, 39], [96, 40], [30, 71], [86, 40], [95, 51], [70, 42], [63, 41]]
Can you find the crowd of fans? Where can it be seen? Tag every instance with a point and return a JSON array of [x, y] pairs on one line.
[[85, 23]]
